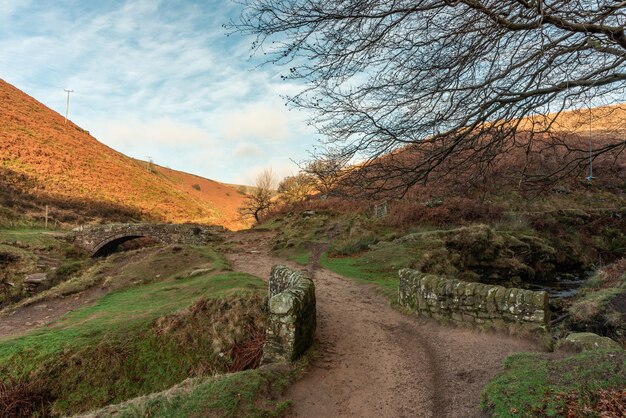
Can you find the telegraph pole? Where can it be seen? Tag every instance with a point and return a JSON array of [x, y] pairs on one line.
[[590, 177], [67, 104]]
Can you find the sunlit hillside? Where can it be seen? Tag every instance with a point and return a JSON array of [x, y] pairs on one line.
[[46, 162], [597, 119]]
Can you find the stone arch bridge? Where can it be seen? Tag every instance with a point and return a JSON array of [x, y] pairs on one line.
[[101, 240]]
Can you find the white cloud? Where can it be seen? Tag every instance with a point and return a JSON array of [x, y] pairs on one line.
[[150, 135], [9, 7], [256, 120], [280, 169], [154, 78]]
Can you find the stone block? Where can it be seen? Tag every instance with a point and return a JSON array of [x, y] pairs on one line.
[[292, 319]]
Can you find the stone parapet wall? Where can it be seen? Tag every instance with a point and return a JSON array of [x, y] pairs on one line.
[[292, 315], [94, 237], [483, 305]]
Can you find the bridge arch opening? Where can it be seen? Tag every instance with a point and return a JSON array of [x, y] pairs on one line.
[[113, 245]]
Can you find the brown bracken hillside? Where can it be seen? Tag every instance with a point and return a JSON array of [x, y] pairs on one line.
[[46, 162]]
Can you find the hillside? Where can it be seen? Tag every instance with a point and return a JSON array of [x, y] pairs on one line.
[[599, 120], [536, 153], [46, 162]]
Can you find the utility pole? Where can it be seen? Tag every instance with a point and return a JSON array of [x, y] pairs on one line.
[[67, 104], [590, 177]]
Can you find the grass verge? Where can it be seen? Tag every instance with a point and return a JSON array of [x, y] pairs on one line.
[[575, 386], [363, 270], [137, 341], [251, 393]]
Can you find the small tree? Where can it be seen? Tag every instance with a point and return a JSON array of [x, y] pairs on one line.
[[150, 165], [259, 199], [295, 189], [326, 172]]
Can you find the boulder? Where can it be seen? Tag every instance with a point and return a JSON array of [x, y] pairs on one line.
[[586, 341], [36, 278]]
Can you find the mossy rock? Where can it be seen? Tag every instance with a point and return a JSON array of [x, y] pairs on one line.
[[483, 253], [601, 311], [586, 341]]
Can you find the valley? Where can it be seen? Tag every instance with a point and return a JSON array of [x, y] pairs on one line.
[[438, 230], [144, 322]]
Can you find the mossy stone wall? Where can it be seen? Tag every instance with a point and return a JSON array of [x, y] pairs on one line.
[[292, 315], [483, 305], [93, 238]]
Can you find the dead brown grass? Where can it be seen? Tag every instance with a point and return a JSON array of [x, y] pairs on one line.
[[23, 398], [247, 354], [235, 326], [609, 403], [63, 162]]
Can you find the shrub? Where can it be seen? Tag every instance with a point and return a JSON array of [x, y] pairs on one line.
[[447, 212], [23, 398], [8, 258], [66, 270], [353, 245]]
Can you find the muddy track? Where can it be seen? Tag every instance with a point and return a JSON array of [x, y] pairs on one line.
[[375, 361]]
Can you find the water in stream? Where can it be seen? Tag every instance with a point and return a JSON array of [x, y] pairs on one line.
[[561, 288]]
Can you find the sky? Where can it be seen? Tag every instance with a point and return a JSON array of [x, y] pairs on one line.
[[157, 79]]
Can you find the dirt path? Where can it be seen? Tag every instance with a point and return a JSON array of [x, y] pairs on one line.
[[27, 318], [375, 361]]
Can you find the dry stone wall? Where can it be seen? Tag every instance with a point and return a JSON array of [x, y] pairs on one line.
[[92, 238], [292, 315], [474, 303]]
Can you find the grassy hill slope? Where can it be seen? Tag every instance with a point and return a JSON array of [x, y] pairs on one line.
[[46, 162]]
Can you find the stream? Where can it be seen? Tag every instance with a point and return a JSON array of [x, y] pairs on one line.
[[564, 288]]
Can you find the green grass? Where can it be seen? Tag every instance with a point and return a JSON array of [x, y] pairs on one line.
[[217, 259], [297, 233], [302, 257], [271, 225], [363, 270], [122, 270], [110, 351], [244, 394], [124, 311], [39, 237], [37, 250], [533, 386]]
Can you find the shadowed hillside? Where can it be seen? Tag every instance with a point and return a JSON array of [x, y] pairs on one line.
[[46, 162]]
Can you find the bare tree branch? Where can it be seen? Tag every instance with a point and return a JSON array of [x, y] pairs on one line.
[[446, 80]]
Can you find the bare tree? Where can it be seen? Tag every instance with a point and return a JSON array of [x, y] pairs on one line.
[[296, 189], [259, 199], [450, 80], [326, 172]]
